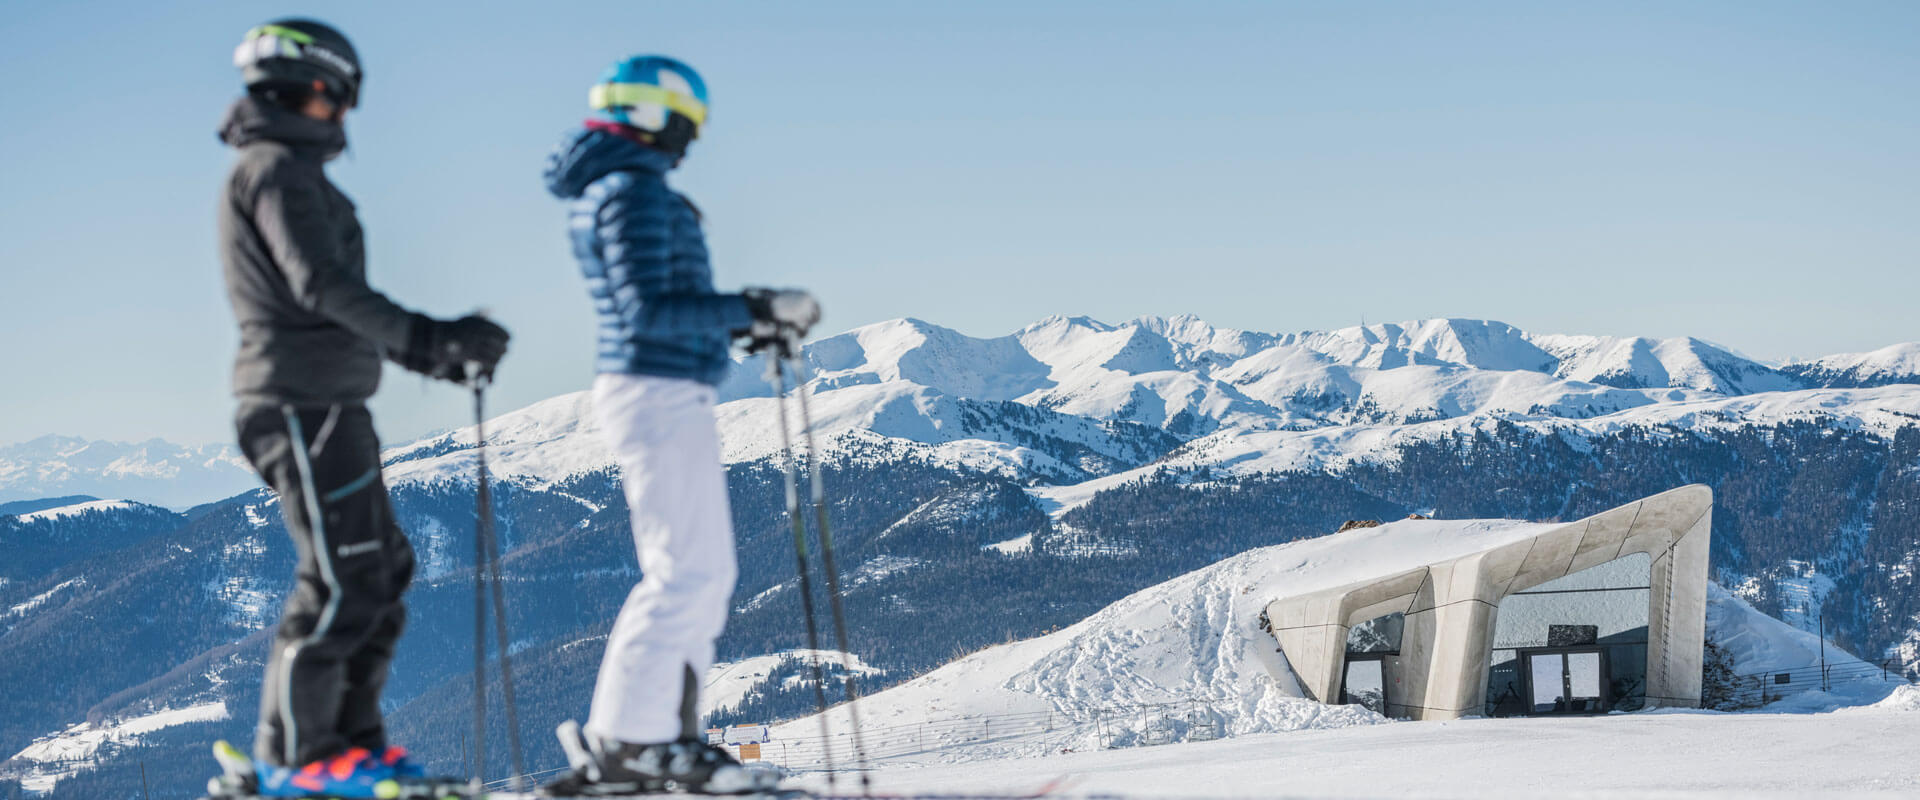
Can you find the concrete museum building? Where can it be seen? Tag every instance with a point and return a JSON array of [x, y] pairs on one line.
[[1502, 618]]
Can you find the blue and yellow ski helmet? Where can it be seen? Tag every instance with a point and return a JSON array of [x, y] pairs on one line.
[[660, 98]]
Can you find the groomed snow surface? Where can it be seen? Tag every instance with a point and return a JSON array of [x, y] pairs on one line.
[[1868, 751]]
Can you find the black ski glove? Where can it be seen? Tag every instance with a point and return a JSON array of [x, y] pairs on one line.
[[443, 348], [778, 314]]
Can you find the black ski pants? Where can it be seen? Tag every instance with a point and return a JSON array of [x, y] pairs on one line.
[[337, 632]]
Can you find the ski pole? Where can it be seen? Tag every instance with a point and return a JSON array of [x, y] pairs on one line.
[[817, 495], [479, 764], [788, 473], [488, 540]]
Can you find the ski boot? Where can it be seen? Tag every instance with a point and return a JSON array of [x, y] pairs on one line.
[[603, 767], [354, 774], [403, 766]]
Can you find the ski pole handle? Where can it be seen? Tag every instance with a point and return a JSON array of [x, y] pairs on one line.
[[480, 376]]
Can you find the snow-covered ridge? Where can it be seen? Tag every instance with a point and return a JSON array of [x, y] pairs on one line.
[[76, 509], [1900, 362], [1883, 409]]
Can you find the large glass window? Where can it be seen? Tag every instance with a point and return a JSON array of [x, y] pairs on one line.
[[1377, 635], [1602, 610], [1366, 683]]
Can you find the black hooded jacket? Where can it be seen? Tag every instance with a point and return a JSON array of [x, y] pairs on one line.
[[312, 332]]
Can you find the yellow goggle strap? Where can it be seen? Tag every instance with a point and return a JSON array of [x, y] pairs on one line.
[[274, 41], [613, 95], [276, 30]]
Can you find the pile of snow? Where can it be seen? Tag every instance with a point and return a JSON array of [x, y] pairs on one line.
[[1763, 646], [1759, 643], [46, 761], [1904, 699]]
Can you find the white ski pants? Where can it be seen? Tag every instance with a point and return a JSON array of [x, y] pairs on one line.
[[662, 433]]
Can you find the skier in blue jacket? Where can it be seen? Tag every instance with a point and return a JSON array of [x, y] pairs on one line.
[[664, 343]]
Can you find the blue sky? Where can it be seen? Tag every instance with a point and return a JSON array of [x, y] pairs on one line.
[[1745, 172]]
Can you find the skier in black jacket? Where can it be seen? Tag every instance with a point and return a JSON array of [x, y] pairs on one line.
[[312, 337]]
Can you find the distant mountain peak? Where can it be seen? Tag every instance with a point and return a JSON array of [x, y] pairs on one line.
[[1899, 363], [153, 471]]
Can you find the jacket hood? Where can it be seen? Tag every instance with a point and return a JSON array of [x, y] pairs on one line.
[[251, 119], [587, 154]]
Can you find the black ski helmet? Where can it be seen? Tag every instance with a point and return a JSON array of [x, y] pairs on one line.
[[300, 52]]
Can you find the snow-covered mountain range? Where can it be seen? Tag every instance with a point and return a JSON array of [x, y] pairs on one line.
[[154, 471], [1094, 399], [1070, 399]]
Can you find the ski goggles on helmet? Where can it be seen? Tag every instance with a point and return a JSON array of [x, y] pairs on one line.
[[623, 95], [267, 43]]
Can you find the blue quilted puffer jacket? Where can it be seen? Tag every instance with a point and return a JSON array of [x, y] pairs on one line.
[[640, 247]]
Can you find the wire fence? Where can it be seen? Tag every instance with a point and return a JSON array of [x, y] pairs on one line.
[[1759, 689]]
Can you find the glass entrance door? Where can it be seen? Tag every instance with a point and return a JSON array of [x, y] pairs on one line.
[[1583, 679], [1566, 682], [1545, 670]]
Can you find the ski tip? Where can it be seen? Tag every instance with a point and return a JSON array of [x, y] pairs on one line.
[[225, 751]]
